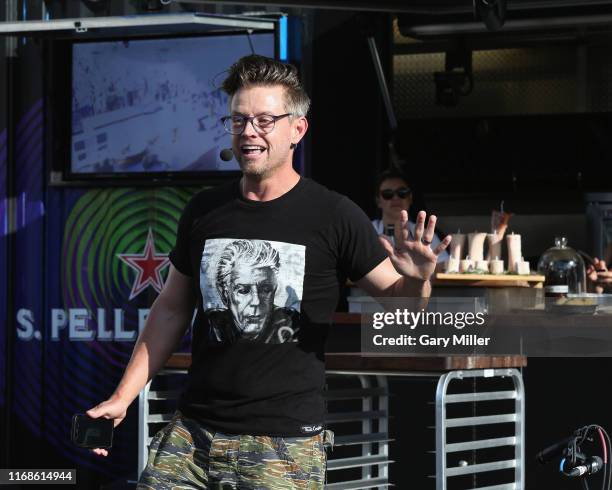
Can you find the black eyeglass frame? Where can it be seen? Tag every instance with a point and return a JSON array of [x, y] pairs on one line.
[[251, 119], [387, 194]]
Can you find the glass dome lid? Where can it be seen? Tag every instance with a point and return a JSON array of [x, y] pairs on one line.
[[562, 265]]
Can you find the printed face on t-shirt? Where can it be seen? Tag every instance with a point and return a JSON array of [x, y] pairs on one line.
[[251, 297], [252, 289]]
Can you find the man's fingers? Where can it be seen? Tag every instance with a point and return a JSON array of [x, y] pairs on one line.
[[98, 411], [443, 244], [420, 226], [405, 228], [100, 452], [429, 231], [401, 228], [95, 412]]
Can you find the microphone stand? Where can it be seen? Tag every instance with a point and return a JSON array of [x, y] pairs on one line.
[[573, 453]]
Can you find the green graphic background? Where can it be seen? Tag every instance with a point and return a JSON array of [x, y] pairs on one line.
[[107, 222]]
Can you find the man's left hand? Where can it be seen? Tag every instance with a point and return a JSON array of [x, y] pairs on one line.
[[413, 256]]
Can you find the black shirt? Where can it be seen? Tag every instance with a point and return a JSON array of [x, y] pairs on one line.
[[268, 276]]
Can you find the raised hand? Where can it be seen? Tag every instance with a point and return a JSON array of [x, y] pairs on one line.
[[412, 256]]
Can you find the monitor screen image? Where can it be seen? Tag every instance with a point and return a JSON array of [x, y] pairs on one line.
[[154, 105]]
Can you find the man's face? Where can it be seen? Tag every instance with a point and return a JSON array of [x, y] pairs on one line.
[[391, 208], [251, 297], [259, 154]]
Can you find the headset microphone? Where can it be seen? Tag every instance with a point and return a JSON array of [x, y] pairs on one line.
[[226, 154]]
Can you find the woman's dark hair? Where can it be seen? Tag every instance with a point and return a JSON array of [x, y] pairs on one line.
[[389, 174], [417, 198]]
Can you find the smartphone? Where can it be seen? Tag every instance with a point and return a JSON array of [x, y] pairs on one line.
[[92, 433]]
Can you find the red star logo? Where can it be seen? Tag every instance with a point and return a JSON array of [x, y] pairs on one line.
[[148, 266]]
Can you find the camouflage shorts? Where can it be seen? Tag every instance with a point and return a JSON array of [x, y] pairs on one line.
[[184, 455]]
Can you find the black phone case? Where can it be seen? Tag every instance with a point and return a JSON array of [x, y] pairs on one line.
[[75, 432]]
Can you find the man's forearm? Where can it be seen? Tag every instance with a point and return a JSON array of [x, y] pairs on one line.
[[408, 287], [162, 332], [385, 281]]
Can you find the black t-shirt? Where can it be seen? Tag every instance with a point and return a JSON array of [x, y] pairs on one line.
[[267, 277]]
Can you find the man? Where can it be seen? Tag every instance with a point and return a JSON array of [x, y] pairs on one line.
[[246, 284], [252, 414], [598, 275]]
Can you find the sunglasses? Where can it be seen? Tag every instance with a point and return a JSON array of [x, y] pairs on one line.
[[402, 193]]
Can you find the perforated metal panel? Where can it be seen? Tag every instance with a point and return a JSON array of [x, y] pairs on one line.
[[599, 76], [545, 79], [506, 81]]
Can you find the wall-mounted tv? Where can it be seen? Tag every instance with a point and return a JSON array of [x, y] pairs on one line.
[[147, 108]]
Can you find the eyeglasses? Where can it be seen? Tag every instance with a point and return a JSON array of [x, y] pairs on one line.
[[402, 193], [264, 123]]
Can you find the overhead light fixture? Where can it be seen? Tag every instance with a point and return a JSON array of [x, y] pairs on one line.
[[457, 80], [491, 12]]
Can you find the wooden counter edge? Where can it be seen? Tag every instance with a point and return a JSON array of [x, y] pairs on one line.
[[355, 361]]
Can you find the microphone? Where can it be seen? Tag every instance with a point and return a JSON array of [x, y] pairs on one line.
[[590, 467], [226, 154], [551, 452]]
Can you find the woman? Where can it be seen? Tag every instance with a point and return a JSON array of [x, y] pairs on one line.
[[392, 196]]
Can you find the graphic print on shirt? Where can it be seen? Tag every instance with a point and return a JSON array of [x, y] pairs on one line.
[[252, 289]]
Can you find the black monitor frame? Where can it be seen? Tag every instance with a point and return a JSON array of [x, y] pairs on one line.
[[58, 117]]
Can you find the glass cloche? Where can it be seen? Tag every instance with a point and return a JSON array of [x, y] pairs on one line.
[[563, 269]]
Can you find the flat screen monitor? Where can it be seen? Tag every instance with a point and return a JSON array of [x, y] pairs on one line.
[[152, 106]]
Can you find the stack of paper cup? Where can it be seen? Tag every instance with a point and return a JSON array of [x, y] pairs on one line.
[[494, 242], [456, 246], [482, 265], [466, 265], [452, 265], [523, 267], [496, 266], [513, 243], [476, 245]]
